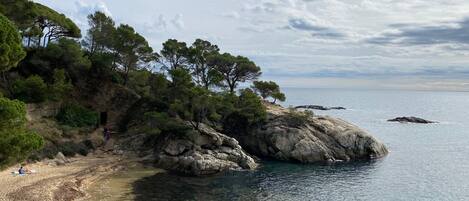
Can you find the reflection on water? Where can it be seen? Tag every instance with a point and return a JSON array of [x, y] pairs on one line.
[[273, 181]]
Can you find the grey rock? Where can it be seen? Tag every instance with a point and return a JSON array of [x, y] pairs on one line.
[[319, 107], [203, 153], [411, 120], [61, 157], [319, 139]]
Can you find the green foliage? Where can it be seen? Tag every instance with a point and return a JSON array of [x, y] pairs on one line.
[[162, 123], [158, 86], [77, 116], [234, 70], [12, 113], [30, 90], [61, 86], [57, 25], [138, 81], [38, 23], [23, 19], [70, 149], [268, 89], [16, 143], [11, 51], [34, 90], [241, 113], [297, 118], [279, 96], [65, 54], [265, 88], [132, 49], [174, 55], [102, 28], [204, 74]]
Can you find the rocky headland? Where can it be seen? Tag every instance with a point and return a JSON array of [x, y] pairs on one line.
[[315, 139]]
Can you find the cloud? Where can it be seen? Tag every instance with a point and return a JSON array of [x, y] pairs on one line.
[[414, 34], [234, 15], [178, 21], [85, 9], [316, 30], [159, 25]]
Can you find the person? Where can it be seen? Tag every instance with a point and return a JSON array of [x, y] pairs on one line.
[[106, 134], [22, 170]]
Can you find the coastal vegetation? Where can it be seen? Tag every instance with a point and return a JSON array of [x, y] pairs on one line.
[[181, 87]]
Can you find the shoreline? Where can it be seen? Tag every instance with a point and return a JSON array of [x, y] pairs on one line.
[[67, 182]]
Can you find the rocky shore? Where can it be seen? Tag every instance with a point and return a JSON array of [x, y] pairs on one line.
[[309, 140], [317, 139], [206, 152]]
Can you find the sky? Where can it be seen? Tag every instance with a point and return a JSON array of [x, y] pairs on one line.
[[373, 44]]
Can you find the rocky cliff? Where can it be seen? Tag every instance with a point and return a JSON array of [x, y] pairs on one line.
[[203, 152], [317, 139]]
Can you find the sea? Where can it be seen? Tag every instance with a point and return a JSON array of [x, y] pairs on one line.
[[426, 162]]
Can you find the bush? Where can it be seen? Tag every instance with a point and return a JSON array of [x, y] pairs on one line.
[[241, 113], [16, 143], [61, 86], [161, 123], [70, 149], [298, 118], [77, 116], [30, 90]]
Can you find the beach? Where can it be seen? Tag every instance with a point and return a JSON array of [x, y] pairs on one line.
[[66, 182]]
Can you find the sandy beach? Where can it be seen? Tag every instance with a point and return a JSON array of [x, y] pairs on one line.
[[66, 182]]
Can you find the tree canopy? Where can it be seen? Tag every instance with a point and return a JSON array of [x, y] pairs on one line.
[[174, 54], [39, 24], [268, 89], [204, 74], [99, 36], [234, 69], [132, 49], [11, 51]]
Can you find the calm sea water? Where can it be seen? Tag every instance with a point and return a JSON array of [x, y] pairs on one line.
[[426, 162]]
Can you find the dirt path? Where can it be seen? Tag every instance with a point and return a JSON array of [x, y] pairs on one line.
[[67, 182]]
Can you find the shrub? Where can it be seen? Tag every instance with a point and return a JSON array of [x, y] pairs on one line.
[[61, 86], [77, 116], [161, 123], [298, 118], [16, 143], [70, 149], [242, 113], [30, 90]]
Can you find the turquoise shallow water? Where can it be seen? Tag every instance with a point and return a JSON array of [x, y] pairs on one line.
[[427, 162]]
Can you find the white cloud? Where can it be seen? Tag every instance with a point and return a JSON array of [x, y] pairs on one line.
[[178, 21], [308, 37]]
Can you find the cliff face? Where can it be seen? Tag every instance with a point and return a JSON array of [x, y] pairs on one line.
[[318, 139]]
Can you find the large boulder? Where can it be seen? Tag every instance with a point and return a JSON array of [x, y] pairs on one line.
[[314, 139], [204, 152]]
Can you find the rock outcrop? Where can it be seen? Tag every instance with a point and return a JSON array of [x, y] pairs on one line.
[[319, 107], [411, 120], [203, 153], [317, 139]]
